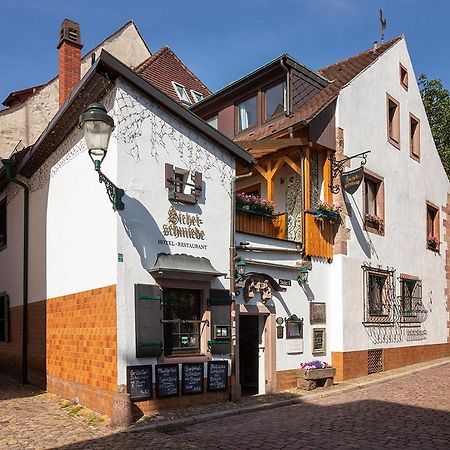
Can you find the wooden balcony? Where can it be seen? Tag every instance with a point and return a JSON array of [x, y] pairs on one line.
[[319, 236], [253, 223]]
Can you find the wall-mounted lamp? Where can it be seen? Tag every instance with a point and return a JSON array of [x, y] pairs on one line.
[[97, 127], [241, 267], [303, 276]]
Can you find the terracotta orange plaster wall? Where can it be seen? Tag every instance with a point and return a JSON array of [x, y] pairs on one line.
[[82, 347]]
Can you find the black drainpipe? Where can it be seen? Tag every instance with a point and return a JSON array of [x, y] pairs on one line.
[[9, 163]]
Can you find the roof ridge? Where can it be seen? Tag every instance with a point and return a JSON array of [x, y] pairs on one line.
[[152, 58], [164, 49], [189, 70], [383, 48]]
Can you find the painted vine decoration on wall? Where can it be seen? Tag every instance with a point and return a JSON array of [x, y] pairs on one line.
[[162, 132], [73, 146], [314, 179], [294, 207]]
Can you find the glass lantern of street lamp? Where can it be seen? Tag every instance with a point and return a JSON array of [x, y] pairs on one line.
[[241, 265], [303, 276], [97, 127]]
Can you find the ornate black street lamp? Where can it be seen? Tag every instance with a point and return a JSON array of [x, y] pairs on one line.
[[97, 127]]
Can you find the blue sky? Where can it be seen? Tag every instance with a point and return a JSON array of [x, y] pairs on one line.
[[221, 40]]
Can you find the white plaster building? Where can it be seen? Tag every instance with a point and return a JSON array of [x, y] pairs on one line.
[[145, 286], [141, 297], [376, 296]]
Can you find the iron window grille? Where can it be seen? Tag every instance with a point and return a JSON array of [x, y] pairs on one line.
[[379, 294], [410, 306]]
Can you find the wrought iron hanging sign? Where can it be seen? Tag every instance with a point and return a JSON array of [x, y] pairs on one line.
[[352, 179], [337, 168]]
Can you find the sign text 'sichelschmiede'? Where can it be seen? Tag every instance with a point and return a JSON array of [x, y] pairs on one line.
[[183, 225]]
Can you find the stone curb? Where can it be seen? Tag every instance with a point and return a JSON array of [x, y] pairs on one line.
[[187, 421]]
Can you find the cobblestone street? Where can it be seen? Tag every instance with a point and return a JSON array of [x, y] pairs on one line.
[[412, 412]]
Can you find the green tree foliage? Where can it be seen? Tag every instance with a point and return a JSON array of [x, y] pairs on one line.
[[436, 100]]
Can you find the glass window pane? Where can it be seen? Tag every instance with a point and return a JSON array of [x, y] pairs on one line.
[[180, 308], [181, 91], [275, 100], [247, 113], [371, 197], [213, 121], [376, 286], [294, 329]]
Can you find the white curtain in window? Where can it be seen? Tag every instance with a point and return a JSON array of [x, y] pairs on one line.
[[243, 116]]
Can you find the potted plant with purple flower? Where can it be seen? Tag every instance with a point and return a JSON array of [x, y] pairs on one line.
[[254, 204], [432, 242], [374, 221], [313, 373], [328, 211]]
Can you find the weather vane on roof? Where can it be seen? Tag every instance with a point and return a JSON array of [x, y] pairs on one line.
[[383, 23]]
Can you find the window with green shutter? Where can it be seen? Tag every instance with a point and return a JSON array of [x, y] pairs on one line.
[[148, 312]]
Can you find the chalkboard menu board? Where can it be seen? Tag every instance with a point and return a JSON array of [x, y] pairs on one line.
[[192, 378], [139, 382], [217, 375], [166, 380]]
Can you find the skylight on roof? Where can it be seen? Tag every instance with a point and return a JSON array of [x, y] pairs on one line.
[[181, 92], [197, 96]]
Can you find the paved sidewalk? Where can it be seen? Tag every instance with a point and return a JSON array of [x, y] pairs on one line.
[[414, 400]]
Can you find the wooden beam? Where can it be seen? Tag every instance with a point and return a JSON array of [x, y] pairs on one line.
[[270, 184], [277, 166], [263, 172], [283, 152], [292, 164], [272, 143]]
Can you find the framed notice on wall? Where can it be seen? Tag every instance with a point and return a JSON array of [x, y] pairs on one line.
[[317, 313]]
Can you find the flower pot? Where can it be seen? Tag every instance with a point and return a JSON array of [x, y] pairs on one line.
[[309, 379], [315, 374], [328, 215]]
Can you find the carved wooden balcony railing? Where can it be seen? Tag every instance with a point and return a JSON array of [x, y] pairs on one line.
[[270, 226], [319, 236]]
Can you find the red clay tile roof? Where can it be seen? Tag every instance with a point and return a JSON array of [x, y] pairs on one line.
[[18, 97], [340, 74], [163, 67]]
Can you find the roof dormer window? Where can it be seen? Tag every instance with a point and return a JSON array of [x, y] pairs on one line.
[[181, 92], [247, 113], [197, 96], [275, 100]]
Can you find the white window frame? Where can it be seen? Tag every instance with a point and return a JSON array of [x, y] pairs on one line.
[[194, 96], [175, 85]]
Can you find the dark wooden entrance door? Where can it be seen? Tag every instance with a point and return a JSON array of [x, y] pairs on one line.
[[248, 353]]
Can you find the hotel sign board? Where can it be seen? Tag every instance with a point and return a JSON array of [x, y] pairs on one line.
[[352, 179]]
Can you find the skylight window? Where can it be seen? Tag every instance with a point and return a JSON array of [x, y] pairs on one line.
[[181, 92], [197, 96]]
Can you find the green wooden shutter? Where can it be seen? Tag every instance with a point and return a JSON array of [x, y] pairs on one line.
[[220, 302], [148, 320]]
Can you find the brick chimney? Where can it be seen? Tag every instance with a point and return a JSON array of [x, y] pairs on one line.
[[69, 58]]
